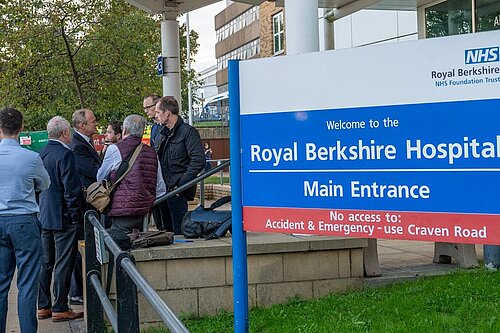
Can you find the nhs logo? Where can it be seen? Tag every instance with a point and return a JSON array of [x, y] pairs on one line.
[[486, 54]]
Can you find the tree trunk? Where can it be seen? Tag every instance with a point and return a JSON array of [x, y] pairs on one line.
[[73, 67]]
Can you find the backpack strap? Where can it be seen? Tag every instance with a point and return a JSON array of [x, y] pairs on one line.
[[220, 202], [130, 164]]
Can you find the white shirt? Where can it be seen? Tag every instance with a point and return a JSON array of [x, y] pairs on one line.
[[64, 145], [113, 159], [86, 138]]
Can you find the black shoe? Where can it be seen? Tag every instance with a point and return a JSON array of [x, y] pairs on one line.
[[76, 300]]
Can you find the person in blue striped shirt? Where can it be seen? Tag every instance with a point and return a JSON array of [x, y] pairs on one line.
[[21, 175]]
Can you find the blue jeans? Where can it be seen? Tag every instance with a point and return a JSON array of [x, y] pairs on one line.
[[20, 244]]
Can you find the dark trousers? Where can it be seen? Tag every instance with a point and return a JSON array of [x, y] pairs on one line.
[[123, 225], [77, 277], [20, 246], [127, 223], [59, 254], [177, 207], [161, 214]]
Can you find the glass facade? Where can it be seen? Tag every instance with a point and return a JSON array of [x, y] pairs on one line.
[[246, 51], [237, 23], [487, 15], [454, 17]]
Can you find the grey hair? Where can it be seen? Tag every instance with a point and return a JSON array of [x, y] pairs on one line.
[[56, 126], [79, 117], [134, 124]]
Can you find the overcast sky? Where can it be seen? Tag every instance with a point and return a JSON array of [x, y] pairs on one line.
[[202, 21]]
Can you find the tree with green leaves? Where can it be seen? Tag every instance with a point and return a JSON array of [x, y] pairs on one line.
[[60, 55]]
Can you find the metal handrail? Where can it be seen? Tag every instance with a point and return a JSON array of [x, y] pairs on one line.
[[168, 317], [127, 311], [189, 184], [106, 304], [124, 261]]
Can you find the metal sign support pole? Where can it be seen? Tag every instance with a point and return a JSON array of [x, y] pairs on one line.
[[240, 275]]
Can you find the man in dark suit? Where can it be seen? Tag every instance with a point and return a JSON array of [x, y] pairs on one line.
[[60, 207], [87, 159], [87, 162]]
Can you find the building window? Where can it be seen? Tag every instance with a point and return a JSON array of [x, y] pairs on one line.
[[278, 33], [246, 51], [237, 23], [454, 17], [487, 15]]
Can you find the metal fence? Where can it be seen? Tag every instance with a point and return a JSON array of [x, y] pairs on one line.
[[98, 247], [211, 114], [128, 279], [221, 164]]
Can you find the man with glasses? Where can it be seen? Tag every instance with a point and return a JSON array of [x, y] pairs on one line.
[[149, 106]]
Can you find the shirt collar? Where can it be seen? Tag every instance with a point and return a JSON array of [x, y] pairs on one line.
[[9, 142], [84, 136], [65, 145]]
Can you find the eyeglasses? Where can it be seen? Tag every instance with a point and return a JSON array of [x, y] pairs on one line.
[[149, 106]]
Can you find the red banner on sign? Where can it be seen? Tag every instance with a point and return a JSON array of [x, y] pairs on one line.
[[437, 227]]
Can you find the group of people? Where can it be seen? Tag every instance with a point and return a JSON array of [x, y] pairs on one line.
[[42, 197]]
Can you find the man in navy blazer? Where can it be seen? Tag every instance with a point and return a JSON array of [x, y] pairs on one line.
[[60, 208], [87, 159], [87, 162]]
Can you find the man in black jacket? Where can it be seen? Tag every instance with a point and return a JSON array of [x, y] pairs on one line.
[[181, 156]]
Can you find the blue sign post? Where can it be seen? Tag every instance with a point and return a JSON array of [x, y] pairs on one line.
[[240, 274], [159, 66]]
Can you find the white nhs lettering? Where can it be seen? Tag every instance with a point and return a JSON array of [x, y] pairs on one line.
[[487, 54]]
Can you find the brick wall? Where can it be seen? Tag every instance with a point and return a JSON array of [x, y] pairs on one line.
[[266, 11]]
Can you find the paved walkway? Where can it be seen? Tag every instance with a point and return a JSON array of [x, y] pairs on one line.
[[44, 326], [399, 260]]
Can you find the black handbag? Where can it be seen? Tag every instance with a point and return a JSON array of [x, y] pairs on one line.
[[207, 223]]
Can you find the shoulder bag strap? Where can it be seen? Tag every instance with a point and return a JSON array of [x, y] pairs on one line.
[[130, 164]]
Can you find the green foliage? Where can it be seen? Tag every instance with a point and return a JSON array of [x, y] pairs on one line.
[[215, 179], [216, 123], [464, 301], [60, 55]]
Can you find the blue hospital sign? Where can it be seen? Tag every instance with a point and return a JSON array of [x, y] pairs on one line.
[[357, 146]]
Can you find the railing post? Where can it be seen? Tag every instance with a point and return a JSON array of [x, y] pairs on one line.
[[221, 173], [126, 296], [202, 193], [93, 310]]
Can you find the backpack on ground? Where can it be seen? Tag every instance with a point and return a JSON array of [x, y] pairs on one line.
[[207, 223]]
